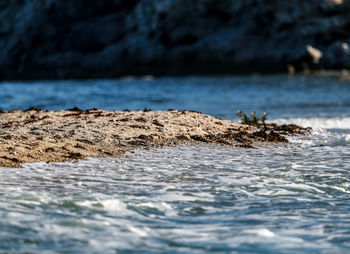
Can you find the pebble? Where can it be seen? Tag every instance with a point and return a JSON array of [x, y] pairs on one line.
[[161, 129]]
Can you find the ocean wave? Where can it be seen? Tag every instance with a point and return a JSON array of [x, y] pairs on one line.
[[318, 123]]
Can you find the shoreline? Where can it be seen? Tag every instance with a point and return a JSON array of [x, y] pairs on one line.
[[36, 135]]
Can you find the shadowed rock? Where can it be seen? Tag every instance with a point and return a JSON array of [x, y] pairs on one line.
[[100, 38]]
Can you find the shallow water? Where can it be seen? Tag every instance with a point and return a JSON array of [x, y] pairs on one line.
[[191, 199]]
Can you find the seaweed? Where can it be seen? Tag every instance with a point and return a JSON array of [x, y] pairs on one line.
[[253, 119]]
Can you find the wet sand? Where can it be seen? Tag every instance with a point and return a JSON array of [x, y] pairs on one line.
[[53, 136]]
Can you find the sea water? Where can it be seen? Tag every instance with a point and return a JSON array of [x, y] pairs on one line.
[[292, 198]]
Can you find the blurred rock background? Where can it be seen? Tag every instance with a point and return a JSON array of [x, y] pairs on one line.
[[48, 39]]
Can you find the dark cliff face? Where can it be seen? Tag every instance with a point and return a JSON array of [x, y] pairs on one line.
[[100, 38]]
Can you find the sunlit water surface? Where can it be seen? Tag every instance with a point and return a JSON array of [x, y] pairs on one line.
[[291, 198]]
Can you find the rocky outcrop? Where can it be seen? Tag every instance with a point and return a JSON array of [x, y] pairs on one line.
[[109, 38]]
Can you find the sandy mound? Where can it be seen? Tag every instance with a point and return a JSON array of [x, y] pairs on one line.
[[37, 135]]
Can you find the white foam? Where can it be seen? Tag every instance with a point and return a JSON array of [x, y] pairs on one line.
[[331, 132], [262, 232], [333, 140], [138, 231], [110, 205], [303, 187], [318, 123], [190, 195]]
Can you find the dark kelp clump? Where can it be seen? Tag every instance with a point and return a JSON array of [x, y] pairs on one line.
[[266, 132], [246, 137], [256, 130]]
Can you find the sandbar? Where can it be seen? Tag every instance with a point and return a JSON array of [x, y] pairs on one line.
[[36, 135]]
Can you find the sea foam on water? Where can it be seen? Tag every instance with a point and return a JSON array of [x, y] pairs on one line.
[[292, 197]]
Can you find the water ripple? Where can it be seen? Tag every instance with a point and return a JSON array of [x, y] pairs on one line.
[[187, 199]]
